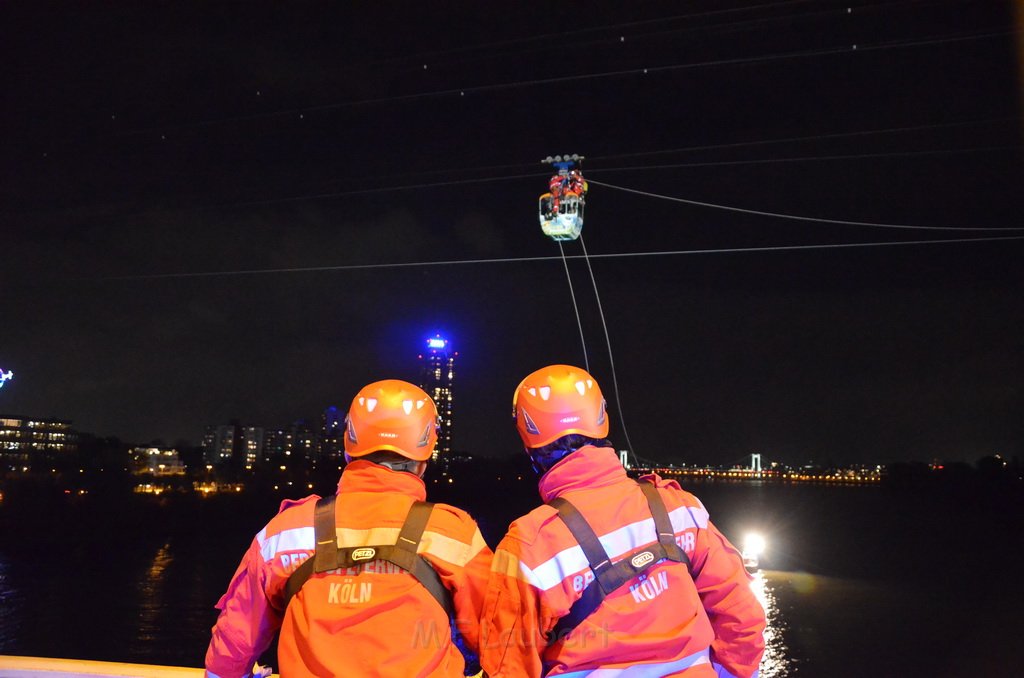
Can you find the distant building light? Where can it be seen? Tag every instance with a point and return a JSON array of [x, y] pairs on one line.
[[436, 343]]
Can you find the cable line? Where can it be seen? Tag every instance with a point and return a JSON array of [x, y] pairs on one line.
[[583, 342], [547, 38], [297, 111], [810, 158], [795, 217], [754, 142], [531, 175], [509, 260], [359, 191], [895, 44], [608, 343], [462, 91], [815, 137]]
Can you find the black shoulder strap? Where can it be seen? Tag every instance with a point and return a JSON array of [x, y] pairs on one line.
[[604, 572], [608, 576], [329, 556], [662, 523], [403, 554], [326, 544], [326, 530]]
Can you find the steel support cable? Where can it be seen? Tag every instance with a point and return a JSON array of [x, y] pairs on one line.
[[462, 91], [608, 343], [807, 158], [796, 217], [330, 195], [483, 180], [733, 27], [812, 158], [735, 144], [712, 163], [814, 137], [509, 260], [583, 342], [532, 175], [546, 38]]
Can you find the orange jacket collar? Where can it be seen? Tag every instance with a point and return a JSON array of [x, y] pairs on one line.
[[585, 468], [365, 476]]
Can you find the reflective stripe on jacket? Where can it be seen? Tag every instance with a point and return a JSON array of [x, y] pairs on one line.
[[658, 622], [370, 620]]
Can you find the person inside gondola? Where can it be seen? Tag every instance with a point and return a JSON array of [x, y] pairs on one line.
[[558, 185]]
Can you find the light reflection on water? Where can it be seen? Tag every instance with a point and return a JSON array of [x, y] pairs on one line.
[[774, 663], [153, 606], [825, 601], [151, 595]]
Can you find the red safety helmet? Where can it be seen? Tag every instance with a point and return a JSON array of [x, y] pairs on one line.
[[391, 415], [558, 400]]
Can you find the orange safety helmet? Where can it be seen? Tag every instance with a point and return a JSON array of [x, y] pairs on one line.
[[391, 415], [558, 400]]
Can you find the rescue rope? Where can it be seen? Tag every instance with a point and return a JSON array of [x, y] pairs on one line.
[[583, 342], [608, 343]]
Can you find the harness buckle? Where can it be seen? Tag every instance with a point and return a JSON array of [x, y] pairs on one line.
[[641, 559]]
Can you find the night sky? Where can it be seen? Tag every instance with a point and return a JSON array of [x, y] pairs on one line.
[[160, 159]]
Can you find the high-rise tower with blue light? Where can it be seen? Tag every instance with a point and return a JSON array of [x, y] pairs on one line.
[[437, 373]]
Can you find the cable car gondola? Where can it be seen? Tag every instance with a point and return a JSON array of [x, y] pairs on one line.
[[560, 210]]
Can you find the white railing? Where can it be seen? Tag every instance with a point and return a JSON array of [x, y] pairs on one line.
[[37, 667]]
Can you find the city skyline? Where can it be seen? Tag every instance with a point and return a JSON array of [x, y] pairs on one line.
[[249, 443]]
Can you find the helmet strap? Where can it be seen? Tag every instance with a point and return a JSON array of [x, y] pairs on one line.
[[417, 468]]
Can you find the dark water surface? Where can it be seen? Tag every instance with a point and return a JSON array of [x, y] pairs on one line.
[[857, 581]]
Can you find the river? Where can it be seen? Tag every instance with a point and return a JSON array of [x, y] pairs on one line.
[[857, 581]]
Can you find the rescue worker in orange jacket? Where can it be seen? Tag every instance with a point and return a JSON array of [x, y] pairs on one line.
[[610, 576], [369, 599]]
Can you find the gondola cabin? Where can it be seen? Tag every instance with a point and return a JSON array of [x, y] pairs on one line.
[[567, 222]]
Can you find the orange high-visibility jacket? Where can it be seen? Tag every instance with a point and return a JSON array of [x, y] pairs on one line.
[[664, 622], [374, 619]]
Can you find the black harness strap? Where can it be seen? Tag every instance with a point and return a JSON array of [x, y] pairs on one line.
[[326, 545], [663, 524], [326, 534], [330, 556], [609, 576]]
